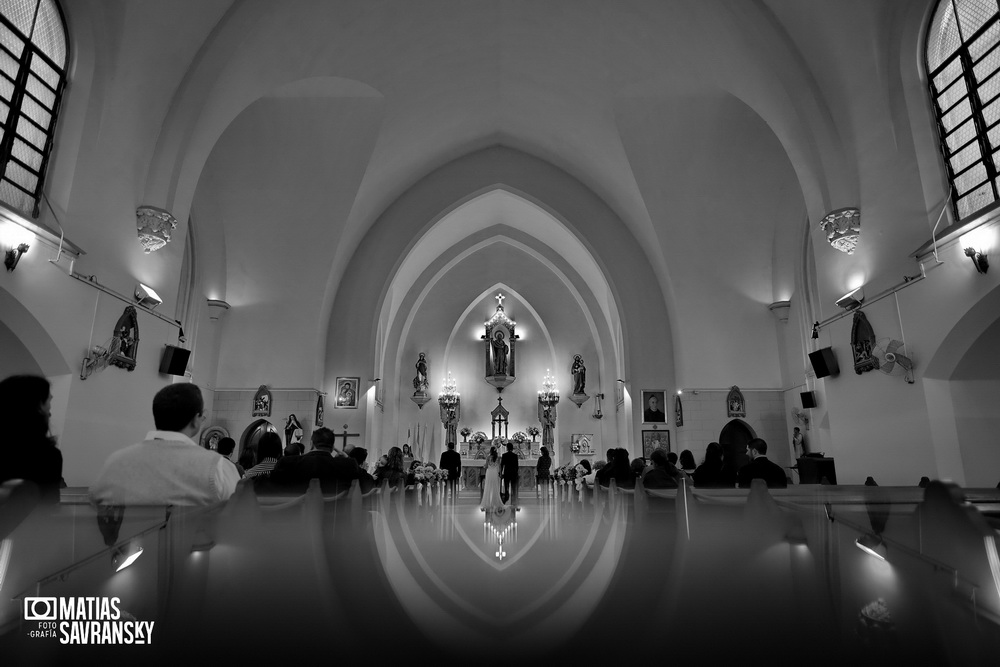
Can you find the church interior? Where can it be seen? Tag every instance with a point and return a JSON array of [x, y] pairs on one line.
[[756, 216]]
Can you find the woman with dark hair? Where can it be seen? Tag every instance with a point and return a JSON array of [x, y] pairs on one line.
[[25, 401], [709, 474], [269, 451], [543, 476], [392, 471], [686, 462], [618, 469]]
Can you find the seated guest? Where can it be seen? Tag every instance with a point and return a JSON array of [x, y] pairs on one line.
[[392, 472], [365, 481], [543, 469], [672, 457], [294, 449], [710, 474], [31, 453], [638, 465], [248, 458], [618, 469], [589, 474], [761, 468], [168, 467], [335, 473], [226, 447], [686, 462], [663, 475], [269, 448], [382, 460], [605, 473]]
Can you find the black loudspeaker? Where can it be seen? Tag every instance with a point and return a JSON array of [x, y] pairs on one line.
[[824, 363], [174, 361], [808, 399]]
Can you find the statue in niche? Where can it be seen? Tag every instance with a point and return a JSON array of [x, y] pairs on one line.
[[500, 349], [579, 375], [450, 417], [420, 382], [862, 342]]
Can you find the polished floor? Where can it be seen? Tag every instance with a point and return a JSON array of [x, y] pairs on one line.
[[707, 579]]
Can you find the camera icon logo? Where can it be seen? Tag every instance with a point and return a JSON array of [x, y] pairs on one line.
[[40, 609]]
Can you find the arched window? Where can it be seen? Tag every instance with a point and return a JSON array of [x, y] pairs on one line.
[[32, 77], [963, 60]]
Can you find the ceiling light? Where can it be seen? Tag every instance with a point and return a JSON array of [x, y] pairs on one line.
[[843, 228]]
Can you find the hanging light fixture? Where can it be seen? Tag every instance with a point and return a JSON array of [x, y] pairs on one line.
[[154, 226], [843, 228], [449, 396], [549, 395]]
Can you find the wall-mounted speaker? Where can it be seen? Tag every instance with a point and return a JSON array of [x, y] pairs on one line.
[[174, 360], [824, 363], [808, 399]]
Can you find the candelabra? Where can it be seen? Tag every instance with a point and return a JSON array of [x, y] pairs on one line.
[[549, 395], [449, 397]]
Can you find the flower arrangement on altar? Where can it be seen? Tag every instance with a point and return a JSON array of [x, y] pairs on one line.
[[575, 448], [478, 437], [519, 438], [533, 432], [466, 432]]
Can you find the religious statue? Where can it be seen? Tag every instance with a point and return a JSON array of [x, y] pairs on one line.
[[579, 375], [291, 425], [500, 349], [548, 419], [449, 417], [420, 382]]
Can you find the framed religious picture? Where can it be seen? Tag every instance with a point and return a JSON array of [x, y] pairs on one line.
[[653, 440], [347, 393], [210, 437], [653, 405]]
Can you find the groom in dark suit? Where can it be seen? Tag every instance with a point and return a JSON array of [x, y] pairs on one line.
[[452, 462], [760, 468], [508, 475]]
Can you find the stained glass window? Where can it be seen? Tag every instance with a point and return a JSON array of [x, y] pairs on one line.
[[32, 77]]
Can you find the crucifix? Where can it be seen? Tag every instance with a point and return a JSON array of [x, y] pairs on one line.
[[345, 435]]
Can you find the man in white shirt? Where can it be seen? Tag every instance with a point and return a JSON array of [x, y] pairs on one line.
[[168, 467]]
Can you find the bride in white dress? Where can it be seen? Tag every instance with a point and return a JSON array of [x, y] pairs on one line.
[[491, 486]]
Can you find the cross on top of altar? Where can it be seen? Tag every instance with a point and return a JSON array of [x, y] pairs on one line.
[[499, 419], [500, 315]]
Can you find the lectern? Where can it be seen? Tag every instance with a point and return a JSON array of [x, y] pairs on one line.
[[812, 470]]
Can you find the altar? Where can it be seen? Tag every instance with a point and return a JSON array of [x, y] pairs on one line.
[[474, 470]]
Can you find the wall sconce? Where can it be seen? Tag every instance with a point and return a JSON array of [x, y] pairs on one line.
[[597, 412], [852, 299], [146, 296], [216, 309], [815, 333], [13, 256], [15, 240], [978, 259]]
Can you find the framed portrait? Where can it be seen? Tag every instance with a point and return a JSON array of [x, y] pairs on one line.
[[347, 393], [653, 406], [653, 440]]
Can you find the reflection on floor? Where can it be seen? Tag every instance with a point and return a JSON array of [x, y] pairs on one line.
[[706, 577]]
